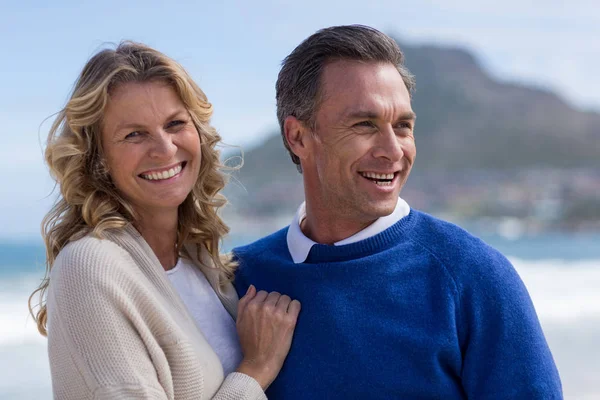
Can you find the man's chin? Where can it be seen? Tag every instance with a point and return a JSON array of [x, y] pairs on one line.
[[380, 209]]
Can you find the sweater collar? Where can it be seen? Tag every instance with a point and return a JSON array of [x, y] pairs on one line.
[[299, 245]]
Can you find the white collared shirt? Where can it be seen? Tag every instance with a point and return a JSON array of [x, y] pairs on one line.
[[299, 245]]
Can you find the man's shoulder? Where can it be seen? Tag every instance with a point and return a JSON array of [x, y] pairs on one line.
[[454, 246], [265, 244], [439, 233]]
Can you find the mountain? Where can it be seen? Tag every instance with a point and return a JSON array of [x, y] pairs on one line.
[[467, 119], [474, 134]]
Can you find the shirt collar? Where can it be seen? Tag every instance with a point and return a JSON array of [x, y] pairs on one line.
[[299, 245]]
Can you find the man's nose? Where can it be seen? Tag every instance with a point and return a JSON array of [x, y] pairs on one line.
[[389, 145]]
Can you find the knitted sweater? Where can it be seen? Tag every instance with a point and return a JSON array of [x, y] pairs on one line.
[[422, 310], [117, 328]]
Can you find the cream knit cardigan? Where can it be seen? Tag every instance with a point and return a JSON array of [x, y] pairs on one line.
[[117, 329]]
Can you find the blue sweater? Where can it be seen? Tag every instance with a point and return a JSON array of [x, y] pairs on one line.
[[422, 310]]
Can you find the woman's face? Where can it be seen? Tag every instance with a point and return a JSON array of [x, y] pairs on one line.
[[151, 145]]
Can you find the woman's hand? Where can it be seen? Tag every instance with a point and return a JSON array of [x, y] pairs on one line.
[[265, 325]]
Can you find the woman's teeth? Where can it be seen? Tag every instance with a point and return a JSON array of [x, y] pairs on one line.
[[158, 176]]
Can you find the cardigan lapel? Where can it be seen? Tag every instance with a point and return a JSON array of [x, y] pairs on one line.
[[133, 242]]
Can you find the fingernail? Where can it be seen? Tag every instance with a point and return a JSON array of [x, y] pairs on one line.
[[249, 287]]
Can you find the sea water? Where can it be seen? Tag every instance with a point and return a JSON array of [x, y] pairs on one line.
[[561, 272]]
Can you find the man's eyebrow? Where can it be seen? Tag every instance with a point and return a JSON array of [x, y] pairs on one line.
[[407, 116], [360, 114], [363, 114]]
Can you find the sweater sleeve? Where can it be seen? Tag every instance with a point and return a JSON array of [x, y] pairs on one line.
[[106, 342], [95, 350], [238, 386], [505, 354]]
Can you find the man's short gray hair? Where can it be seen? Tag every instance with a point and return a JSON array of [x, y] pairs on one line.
[[299, 81]]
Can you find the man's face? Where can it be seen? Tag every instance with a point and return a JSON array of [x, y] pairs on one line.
[[363, 147]]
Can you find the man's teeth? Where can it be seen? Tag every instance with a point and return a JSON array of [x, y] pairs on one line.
[[383, 183], [372, 175], [157, 176]]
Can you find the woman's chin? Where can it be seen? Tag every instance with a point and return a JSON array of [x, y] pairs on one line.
[[161, 205]]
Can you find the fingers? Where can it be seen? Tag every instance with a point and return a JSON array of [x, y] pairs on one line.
[[260, 297], [256, 303], [283, 303], [250, 293], [266, 323], [294, 308], [288, 311], [272, 299], [272, 302]]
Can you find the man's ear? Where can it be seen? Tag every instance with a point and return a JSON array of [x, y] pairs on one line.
[[297, 135]]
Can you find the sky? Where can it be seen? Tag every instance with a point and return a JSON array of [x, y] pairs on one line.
[[233, 49]]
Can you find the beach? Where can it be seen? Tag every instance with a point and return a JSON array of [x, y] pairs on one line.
[[564, 291]]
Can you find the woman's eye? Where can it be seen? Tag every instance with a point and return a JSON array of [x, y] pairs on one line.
[[175, 123], [132, 135]]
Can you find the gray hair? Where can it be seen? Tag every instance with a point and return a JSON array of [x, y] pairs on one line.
[[299, 81]]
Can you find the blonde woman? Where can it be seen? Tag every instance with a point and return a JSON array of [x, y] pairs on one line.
[[138, 303]]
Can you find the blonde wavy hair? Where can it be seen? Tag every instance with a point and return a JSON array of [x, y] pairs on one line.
[[89, 201]]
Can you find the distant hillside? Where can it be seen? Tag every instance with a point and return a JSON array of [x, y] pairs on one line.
[[469, 125], [466, 119]]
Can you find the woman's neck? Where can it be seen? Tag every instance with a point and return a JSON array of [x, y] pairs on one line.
[[160, 232]]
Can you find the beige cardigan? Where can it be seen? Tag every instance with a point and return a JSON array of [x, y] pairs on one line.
[[117, 329]]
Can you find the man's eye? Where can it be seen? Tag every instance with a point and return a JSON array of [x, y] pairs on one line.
[[404, 125], [361, 124]]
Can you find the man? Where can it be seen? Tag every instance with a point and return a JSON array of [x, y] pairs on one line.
[[396, 303]]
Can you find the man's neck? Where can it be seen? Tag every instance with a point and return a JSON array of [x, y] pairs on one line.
[[329, 229]]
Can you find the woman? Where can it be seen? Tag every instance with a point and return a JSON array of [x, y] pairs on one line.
[[139, 304]]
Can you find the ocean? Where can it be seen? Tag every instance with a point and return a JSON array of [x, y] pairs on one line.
[[561, 272]]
